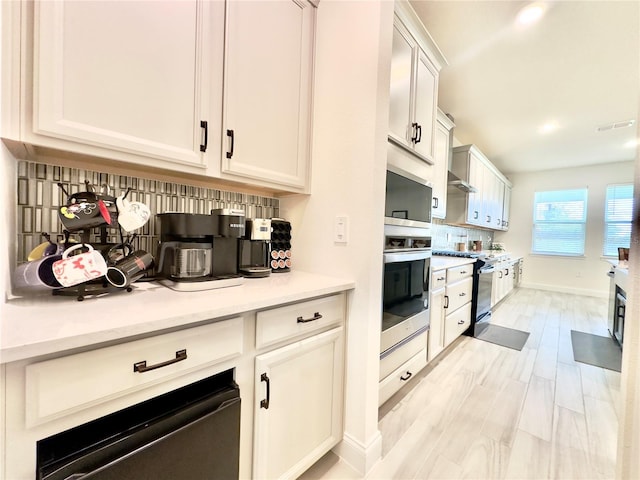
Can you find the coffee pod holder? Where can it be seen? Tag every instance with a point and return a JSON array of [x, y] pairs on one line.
[[280, 254], [99, 286]]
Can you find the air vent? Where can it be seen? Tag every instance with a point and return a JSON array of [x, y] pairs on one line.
[[616, 125]]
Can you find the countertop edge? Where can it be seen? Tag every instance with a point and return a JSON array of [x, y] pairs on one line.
[[36, 327]]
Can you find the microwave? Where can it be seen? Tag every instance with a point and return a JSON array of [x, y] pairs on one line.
[[408, 199]]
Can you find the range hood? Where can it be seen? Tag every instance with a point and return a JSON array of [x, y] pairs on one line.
[[454, 181]]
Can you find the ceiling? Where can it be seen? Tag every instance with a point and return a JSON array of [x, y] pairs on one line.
[[578, 68]]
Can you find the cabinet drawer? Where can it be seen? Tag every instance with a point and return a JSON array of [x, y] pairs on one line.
[[459, 293], [456, 323], [400, 355], [398, 378], [438, 279], [456, 273], [63, 385], [300, 319]]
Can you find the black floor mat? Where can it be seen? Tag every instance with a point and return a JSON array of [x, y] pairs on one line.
[[506, 337], [595, 350]]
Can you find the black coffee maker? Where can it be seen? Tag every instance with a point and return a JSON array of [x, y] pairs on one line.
[[254, 248], [199, 251]]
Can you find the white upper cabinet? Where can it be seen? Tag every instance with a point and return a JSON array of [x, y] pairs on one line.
[[213, 88], [127, 76], [506, 207], [400, 114], [415, 65], [488, 206], [267, 90], [441, 165]]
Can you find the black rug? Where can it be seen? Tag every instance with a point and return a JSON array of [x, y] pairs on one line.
[[506, 337], [595, 350]]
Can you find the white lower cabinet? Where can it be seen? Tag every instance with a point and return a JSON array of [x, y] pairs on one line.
[[436, 330], [289, 360], [450, 306], [298, 405], [54, 395]]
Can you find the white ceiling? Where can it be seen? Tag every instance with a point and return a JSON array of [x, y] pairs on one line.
[[579, 67]]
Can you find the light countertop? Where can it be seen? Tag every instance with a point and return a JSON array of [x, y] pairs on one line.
[[34, 326], [439, 262]]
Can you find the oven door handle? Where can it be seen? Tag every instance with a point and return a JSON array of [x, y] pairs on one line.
[[406, 256]]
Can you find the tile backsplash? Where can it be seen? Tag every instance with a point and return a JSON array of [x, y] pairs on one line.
[[445, 236], [39, 197]]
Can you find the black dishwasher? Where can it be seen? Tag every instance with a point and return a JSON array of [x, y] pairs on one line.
[[192, 433]]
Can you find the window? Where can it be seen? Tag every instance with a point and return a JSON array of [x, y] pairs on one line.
[[559, 220], [617, 218]]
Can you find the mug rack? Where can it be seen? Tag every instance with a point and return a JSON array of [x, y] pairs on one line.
[[98, 286]]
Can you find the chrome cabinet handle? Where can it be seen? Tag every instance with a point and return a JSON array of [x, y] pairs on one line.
[[460, 322], [403, 378], [462, 294], [316, 316], [435, 202], [141, 367], [446, 301]]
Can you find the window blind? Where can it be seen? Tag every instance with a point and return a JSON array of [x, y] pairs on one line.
[[617, 217], [560, 222]]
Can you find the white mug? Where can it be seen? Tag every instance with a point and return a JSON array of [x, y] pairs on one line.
[[132, 215], [70, 271]]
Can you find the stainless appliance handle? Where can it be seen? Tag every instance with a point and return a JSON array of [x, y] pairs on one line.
[[485, 270], [406, 256]]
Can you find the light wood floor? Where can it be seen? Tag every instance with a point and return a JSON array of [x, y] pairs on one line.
[[488, 412]]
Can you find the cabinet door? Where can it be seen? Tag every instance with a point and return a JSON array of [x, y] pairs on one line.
[[506, 204], [436, 330], [123, 75], [426, 94], [302, 416], [440, 171], [400, 113], [268, 61], [475, 207]]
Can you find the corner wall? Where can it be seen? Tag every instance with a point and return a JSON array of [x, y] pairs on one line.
[[353, 55], [579, 275]]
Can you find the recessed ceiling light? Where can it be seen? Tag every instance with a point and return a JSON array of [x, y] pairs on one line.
[[549, 127], [530, 14]]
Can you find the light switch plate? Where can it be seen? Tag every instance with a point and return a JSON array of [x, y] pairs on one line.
[[341, 229]]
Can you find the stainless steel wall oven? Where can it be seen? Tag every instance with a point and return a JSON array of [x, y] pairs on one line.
[[405, 298]]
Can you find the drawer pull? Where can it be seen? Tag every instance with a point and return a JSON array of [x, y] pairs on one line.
[[409, 374], [462, 294], [463, 272], [441, 279], [460, 322], [265, 403], [446, 301], [316, 316], [141, 367]]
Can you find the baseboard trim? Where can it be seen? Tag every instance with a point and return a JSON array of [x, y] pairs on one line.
[[561, 289], [359, 456]]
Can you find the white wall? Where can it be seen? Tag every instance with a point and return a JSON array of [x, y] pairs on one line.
[[584, 275], [348, 177]]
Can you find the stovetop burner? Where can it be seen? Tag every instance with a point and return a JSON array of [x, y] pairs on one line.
[[455, 253]]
